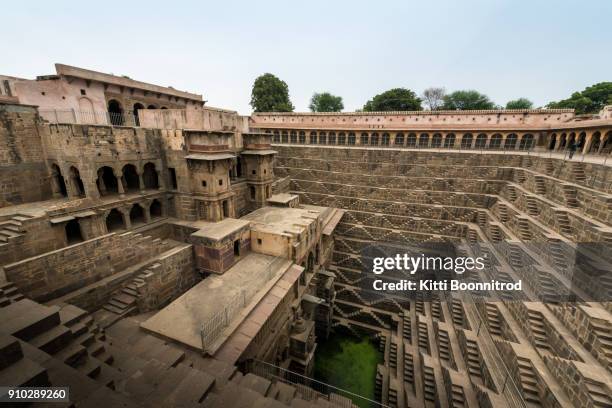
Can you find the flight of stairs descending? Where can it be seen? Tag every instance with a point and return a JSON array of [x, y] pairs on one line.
[[496, 233], [472, 358], [520, 175], [538, 331], [493, 319], [524, 229], [571, 195], [17, 370], [429, 384], [472, 236], [528, 380], [532, 205], [549, 166], [12, 228], [540, 185], [503, 212], [124, 301], [511, 193], [578, 171], [9, 294], [563, 222]]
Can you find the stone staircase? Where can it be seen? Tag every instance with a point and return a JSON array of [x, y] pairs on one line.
[[12, 228], [578, 171], [570, 195], [524, 229], [563, 222], [540, 185], [9, 294], [532, 206], [527, 380]]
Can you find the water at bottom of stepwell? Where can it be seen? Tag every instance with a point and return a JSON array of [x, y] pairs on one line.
[[349, 362]]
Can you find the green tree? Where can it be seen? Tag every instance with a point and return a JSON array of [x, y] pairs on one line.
[[270, 94], [591, 100], [325, 102], [520, 103], [396, 99], [467, 100]]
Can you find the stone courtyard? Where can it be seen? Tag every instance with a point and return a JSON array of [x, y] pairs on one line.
[[155, 251]]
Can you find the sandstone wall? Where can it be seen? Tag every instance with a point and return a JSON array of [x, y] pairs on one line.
[[23, 174], [59, 272]]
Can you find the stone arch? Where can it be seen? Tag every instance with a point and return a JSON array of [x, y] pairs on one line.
[[553, 142], [154, 107], [73, 232], [385, 139], [424, 140], [155, 209], [364, 138], [284, 137], [86, 105], [595, 142], [411, 141], [606, 146], [302, 137], [527, 141], [276, 136], [76, 182], [351, 138], [58, 179], [449, 141], [436, 140], [341, 138], [581, 140], [495, 142], [149, 176], [562, 141], [481, 141], [130, 178], [107, 181], [137, 106], [137, 214], [572, 139], [399, 139], [115, 112], [293, 137], [466, 141], [374, 139], [114, 221], [332, 138], [322, 138], [510, 143], [313, 137]]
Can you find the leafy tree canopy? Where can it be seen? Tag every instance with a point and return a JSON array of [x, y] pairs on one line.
[[396, 99], [325, 102], [467, 100], [520, 103], [270, 94], [591, 100]]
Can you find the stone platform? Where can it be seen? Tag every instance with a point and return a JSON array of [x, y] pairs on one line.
[[182, 320]]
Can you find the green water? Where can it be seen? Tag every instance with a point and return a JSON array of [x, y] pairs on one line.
[[347, 362]]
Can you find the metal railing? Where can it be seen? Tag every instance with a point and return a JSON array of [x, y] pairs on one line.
[[74, 116], [212, 330], [309, 388]]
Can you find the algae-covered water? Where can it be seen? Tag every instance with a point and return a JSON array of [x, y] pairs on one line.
[[348, 362]]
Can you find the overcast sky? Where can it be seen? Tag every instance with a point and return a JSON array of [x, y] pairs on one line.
[[543, 50]]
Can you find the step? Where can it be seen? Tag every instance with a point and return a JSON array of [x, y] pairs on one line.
[[24, 373], [72, 354], [52, 340], [10, 351]]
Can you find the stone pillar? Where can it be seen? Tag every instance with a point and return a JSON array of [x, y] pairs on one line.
[[141, 183], [160, 181], [120, 188], [587, 143], [147, 214], [126, 218]]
